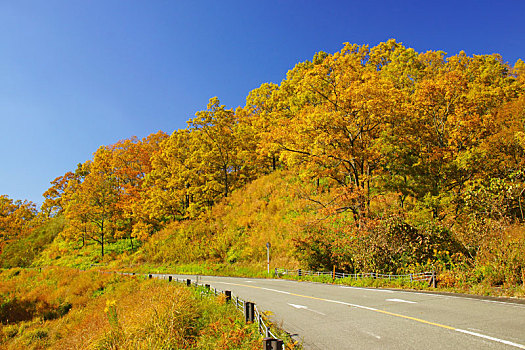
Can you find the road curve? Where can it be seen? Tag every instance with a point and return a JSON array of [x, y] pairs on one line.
[[324, 316]]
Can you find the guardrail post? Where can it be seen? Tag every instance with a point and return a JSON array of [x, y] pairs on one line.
[[276, 273], [267, 343], [207, 286], [433, 281], [248, 311], [228, 294], [272, 344], [150, 276], [299, 273], [170, 278], [188, 282]]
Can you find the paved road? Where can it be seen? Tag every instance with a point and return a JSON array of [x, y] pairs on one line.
[[338, 317]]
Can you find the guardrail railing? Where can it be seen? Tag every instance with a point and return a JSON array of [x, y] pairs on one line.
[[252, 314], [429, 276]]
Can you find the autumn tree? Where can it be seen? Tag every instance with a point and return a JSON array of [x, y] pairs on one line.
[[15, 219], [257, 121], [53, 205], [92, 204], [333, 133]]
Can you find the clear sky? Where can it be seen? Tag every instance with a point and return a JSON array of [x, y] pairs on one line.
[[77, 74]]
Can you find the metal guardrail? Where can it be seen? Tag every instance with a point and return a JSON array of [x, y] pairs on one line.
[[253, 314], [429, 276]]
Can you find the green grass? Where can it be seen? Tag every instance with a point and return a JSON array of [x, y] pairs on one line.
[[205, 268], [72, 254]]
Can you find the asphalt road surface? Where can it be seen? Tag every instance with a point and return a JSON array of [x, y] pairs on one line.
[[323, 316]]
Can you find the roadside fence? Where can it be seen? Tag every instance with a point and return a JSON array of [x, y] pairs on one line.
[[429, 276], [251, 313]]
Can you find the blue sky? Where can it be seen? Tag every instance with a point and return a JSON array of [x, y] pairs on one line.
[[75, 75]]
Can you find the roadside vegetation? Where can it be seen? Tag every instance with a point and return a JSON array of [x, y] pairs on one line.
[[371, 159], [63, 308]]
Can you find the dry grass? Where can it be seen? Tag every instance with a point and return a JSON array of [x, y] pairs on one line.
[[118, 312]]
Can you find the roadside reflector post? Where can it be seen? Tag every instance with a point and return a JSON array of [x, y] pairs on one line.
[[268, 245], [333, 273], [249, 311], [228, 294], [170, 278], [188, 282]]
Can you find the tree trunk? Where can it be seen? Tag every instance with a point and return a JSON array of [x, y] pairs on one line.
[[102, 238], [226, 190]]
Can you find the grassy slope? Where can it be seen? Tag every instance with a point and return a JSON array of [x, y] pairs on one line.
[[231, 240], [231, 236], [68, 309]]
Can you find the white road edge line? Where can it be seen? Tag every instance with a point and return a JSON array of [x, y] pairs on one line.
[[491, 338]]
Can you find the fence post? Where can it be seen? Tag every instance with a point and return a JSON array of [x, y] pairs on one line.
[[272, 344], [267, 343], [278, 344], [248, 311], [433, 281], [228, 294], [188, 282]]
